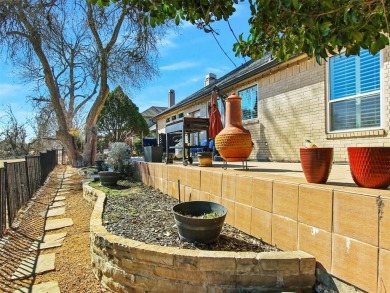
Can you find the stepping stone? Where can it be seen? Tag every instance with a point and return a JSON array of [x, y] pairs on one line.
[[57, 237], [32, 266], [44, 245], [58, 224], [48, 241], [59, 198], [55, 212], [56, 204], [63, 192], [51, 286]]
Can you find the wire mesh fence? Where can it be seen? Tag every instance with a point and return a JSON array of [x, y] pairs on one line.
[[20, 180]]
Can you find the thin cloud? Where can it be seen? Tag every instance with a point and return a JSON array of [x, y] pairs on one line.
[[179, 65], [8, 90], [168, 41]]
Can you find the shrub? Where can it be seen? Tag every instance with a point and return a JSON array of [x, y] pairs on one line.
[[119, 156]]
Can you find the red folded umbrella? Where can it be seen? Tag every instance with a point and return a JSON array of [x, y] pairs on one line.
[[214, 117]]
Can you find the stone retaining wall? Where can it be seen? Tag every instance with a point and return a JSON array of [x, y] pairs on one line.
[[125, 265]]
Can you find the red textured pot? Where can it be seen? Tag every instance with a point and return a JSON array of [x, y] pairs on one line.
[[370, 166], [316, 163], [234, 142]]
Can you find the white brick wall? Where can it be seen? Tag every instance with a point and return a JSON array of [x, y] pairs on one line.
[[292, 108]]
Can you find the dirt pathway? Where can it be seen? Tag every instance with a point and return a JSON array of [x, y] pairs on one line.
[[72, 259]]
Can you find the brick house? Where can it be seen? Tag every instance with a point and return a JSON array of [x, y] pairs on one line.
[[343, 102]]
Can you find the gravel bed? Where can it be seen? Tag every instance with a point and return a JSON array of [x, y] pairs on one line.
[[140, 212]]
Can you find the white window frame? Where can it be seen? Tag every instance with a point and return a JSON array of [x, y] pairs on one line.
[[329, 102], [257, 100]]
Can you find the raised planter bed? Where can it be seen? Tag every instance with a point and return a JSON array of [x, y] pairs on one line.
[[125, 265]]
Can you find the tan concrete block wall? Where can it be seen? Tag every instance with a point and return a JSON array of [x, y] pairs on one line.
[[243, 217], [356, 216], [384, 271], [285, 199], [262, 191], [337, 225], [261, 224], [125, 265], [355, 261], [284, 233], [316, 207], [244, 190], [317, 241], [385, 224], [216, 186]]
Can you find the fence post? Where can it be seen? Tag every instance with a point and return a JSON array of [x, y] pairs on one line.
[[27, 178], [7, 194]]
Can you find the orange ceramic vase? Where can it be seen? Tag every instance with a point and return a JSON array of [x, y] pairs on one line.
[[234, 142]]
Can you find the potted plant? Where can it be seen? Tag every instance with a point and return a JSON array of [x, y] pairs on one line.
[[205, 159], [118, 160], [199, 221], [316, 162], [370, 166]]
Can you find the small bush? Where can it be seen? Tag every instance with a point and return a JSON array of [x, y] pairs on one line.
[[119, 157]]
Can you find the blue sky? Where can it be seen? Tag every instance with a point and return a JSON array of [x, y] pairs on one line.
[[186, 57]]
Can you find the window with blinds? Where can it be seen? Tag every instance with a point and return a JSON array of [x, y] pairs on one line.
[[249, 102], [354, 91]]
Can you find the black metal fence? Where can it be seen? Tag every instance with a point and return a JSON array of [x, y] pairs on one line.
[[20, 180]]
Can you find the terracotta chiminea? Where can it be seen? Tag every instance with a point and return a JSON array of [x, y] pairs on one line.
[[234, 142]]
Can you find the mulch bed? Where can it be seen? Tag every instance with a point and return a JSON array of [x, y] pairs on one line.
[[140, 212]]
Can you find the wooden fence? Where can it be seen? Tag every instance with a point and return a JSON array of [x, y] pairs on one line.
[[20, 180]]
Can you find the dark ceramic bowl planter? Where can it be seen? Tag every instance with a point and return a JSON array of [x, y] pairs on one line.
[[108, 178], [316, 163], [370, 166], [205, 159], [193, 228]]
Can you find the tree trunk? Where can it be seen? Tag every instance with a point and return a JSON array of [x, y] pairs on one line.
[[89, 154], [69, 145], [91, 131]]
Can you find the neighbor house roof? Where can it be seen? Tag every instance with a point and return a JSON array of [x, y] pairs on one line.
[[149, 113], [152, 111], [241, 73]]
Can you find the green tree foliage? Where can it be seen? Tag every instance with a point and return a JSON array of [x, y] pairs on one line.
[[317, 28], [120, 118], [286, 27]]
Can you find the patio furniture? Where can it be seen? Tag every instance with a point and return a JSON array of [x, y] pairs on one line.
[[185, 127]]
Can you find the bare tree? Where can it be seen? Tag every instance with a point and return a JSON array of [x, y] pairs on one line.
[[13, 135], [72, 50]]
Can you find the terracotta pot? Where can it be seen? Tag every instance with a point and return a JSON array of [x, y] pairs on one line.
[[234, 142], [370, 166], [316, 163], [205, 159]]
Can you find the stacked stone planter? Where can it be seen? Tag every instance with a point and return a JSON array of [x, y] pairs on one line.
[[124, 265]]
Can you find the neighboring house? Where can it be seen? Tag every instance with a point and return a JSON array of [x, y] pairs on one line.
[[45, 143], [148, 114], [343, 102]]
